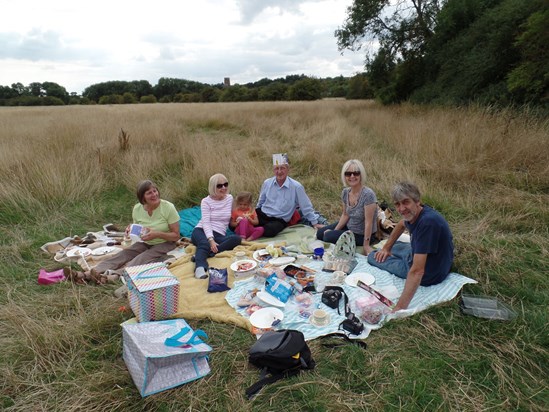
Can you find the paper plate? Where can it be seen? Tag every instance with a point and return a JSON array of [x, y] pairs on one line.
[[79, 251], [258, 255], [353, 278], [269, 299], [243, 265], [264, 318], [283, 260], [105, 250]]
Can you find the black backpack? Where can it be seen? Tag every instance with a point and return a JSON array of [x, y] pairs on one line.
[[280, 353]]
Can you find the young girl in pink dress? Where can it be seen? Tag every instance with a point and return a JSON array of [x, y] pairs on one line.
[[244, 218]]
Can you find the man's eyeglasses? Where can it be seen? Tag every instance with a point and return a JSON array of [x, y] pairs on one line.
[[348, 174], [220, 185]]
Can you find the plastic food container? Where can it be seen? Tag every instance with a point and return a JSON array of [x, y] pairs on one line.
[[485, 307], [373, 313]]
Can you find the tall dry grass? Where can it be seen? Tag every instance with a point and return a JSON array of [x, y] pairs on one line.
[[63, 172]]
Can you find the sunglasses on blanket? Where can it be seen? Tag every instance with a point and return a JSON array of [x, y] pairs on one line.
[[349, 174], [220, 185]]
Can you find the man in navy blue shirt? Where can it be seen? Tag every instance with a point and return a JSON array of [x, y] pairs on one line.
[[427, 259]]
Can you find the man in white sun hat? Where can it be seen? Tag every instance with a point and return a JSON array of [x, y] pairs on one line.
[[279, 198]]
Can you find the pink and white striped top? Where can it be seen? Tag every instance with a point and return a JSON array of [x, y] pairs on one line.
[[216, 215]]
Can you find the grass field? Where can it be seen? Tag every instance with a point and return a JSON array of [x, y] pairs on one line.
[[63, 172]]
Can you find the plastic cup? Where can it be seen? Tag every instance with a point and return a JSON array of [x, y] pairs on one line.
[[318, 252]]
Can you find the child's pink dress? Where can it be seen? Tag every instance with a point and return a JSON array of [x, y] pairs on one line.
[[244, 228]]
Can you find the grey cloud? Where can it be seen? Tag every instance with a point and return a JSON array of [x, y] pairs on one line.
[[249, 9], [37, 45], [240, 66]]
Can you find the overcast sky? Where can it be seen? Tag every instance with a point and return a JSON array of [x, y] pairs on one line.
[[78, 43]]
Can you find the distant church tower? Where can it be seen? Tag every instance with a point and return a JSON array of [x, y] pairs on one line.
[[227, 82]]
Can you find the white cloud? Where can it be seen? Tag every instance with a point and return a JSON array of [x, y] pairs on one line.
[[77, 44]]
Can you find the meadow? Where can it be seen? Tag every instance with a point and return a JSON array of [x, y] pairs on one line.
[[65, 171]]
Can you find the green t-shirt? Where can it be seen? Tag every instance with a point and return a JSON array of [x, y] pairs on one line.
[[163, 216]]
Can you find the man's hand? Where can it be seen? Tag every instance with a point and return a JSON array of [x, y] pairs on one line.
[[318, 226], [382, 255]]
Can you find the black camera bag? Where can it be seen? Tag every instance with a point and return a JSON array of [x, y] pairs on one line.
[[332, 295]]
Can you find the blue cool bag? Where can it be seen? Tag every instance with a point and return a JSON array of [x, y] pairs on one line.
[[165, 354]]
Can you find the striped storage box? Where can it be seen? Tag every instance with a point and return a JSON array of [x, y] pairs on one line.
[[153, 291]]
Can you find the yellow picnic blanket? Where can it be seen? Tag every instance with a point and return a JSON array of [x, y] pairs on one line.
[[194, 300]]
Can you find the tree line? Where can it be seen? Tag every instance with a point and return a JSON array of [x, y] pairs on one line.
[[494, 52], [168, 90]]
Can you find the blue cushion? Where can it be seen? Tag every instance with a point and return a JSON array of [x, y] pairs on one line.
[[189, 219]]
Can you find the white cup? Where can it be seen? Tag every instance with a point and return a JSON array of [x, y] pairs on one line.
[[239, 256], [338, 277], [320, 317]]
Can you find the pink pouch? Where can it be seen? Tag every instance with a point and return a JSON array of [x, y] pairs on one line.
[[47, 278]]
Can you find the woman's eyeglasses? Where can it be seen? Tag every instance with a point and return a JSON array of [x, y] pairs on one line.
[[220, 185], [348, 174]]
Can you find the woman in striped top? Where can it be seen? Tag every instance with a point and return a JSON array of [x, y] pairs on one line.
[[209, 235]]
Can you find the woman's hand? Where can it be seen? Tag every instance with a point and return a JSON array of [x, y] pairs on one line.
[[148, 234], [368, 249], [213, 245]]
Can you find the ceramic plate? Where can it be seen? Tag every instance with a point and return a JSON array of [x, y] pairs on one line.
[[79, 251], [353, 278], [261, 255], [270, 299], [283, 260], [264, 318], [243, 265], [105, 250]]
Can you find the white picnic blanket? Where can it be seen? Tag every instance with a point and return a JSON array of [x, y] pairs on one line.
[[424, 298]]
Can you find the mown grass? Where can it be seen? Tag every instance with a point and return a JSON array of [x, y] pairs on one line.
[[63, 174]]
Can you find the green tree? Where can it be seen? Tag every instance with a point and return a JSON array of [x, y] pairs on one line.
[[305, 89], [7, 92], [236, 93], [529, 81], [274, 91], [210, 94], [35, 89], [20, 90], [474, 50], [150, 98], [129, 98], [335, 87], [52, 89], [402, 27], [381, 76], [111, 99], [359, 87]]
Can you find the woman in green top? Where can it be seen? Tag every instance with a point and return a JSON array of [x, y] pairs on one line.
[[160, 222]]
